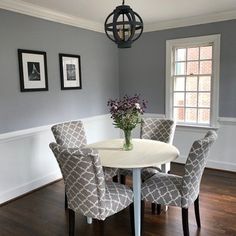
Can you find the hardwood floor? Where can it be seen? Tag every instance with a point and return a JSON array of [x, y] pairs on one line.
[[42, 213]]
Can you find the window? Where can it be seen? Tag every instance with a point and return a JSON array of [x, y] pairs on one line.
[[192, 75]]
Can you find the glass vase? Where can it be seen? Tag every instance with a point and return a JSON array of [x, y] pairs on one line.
[[127, 141]]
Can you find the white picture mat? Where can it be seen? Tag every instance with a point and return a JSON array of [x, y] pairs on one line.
[[74, 61], [28, 57]]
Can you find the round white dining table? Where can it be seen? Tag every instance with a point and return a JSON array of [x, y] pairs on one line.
[[145, 153]]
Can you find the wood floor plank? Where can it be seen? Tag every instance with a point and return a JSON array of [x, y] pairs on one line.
[[42, 213]]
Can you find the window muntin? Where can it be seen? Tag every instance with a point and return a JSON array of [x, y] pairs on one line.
[[192, 80]]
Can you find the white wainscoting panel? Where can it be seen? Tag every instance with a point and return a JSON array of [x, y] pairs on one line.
[[223, 152], [27, 162]]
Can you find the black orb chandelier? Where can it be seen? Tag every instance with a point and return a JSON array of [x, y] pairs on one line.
[[123, 26]]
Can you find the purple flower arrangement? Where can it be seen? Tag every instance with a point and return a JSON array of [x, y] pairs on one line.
[[126, 112]]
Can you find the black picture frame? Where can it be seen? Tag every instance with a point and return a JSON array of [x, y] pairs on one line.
[[33, 70], [70, 71]]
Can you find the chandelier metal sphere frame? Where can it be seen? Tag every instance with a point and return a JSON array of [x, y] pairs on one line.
[[123, 26]]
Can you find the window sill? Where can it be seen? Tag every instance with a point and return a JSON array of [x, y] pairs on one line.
[[196, 127]]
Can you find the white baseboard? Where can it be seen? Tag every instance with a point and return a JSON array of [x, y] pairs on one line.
[[27, 187]]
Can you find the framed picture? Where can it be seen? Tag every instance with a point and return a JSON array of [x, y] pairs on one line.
[[70, 69], [33, 70]]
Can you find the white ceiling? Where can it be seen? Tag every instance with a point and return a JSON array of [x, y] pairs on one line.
[[156, 14], [151, 11]]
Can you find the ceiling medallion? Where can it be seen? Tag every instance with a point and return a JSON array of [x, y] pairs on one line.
[[123, 26]]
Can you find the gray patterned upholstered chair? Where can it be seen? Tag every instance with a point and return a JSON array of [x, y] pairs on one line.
[[87, 191], [72, 135], [161, 130], [155, 129], [173, 190]]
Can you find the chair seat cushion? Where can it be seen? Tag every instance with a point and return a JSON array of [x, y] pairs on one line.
[[149, 172], [164, 189], [117, 197], [110, 172]]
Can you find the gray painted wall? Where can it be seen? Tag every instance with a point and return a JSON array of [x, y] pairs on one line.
[[99, 61], [105, 71], [142, 68]]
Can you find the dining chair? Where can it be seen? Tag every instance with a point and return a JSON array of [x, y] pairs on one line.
[[162, 130], [72, 135], [174, 190], [87, 190], [155, 129]]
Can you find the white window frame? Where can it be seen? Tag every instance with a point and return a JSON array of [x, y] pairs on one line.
[[191, 42]]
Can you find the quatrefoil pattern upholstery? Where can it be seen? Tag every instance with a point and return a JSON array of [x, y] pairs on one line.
[[86, 189], [72, 135], [181, 191], [194, 168], [158, 129], [154, 129], [163, 188]]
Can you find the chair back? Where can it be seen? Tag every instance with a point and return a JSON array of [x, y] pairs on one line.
[[158, 129], [194, 168], [70, 134], [84, 179]]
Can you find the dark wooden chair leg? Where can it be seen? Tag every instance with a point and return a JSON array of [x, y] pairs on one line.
[[158, 209], [197, 213], [142, 215], [153, 208], [101, 227], [122, 179], [115, 179], [131, 215], [66, 202], [71, 222], [185, 221]]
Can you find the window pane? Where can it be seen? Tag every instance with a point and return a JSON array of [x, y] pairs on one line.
[[191, 115], [204, 100], [193, 53], [206, 52], [179, 84], [204, 83], [180, 68], [178, 99], [204, 116], [205, 67], [179, 114], [180, 54], [191, 99], [191, 83], [192, 68]]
